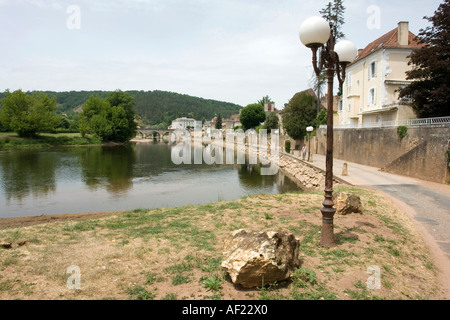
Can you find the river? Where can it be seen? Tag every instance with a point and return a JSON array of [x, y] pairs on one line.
[[137, 176]]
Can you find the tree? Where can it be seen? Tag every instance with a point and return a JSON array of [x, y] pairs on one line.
[[252, 116], [430, 89], [299, 114], [28, 115], [64, 123], [321, 118], [219, 122], [119, 99], [110, 119], [334, 13], [94, 118], [265, 100], [272, 121]]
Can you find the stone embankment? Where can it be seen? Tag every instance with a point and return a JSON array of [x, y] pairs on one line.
[[304, 174]]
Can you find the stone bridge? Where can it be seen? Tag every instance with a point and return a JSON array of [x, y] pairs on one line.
[[153, 133]]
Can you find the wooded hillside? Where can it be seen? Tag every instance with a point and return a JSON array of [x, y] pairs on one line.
[[153, 107]]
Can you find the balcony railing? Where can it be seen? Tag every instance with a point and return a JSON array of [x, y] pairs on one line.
[[388, 124]]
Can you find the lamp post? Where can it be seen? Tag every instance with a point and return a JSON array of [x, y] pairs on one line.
[[315, 33], [309, 129]]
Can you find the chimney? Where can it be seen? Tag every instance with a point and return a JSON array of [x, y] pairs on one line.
[[403, 33]]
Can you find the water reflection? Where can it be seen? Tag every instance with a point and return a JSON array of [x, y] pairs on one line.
[[110, 168], [86, 179], [250, 177], [26, 173]]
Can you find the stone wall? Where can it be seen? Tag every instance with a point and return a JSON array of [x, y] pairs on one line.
[[421, 154], [423, 162], [305, 175]]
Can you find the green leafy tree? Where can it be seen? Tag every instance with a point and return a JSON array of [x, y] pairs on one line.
[[252, 116], [321, 118], [219, 122], [126, 126], [64, 123], [430, 89], [265, 100], [29, 115], [94, 118], [110, 119], [2, 127], [299, 114], [272, 121]]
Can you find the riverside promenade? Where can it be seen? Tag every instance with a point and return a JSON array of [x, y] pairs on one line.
[[429, 201], [426, 203]]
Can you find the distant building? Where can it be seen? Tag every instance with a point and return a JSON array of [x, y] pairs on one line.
[[186, 123], [230, 123], [236, 117], [370, 92], [270, 107], [337, 105]]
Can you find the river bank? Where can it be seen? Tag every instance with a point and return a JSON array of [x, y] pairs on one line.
[[175, 253], [10, 140]]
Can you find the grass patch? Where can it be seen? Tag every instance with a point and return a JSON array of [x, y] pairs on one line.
[[361, 292], [180, 279], [213, 283], [140, 293]]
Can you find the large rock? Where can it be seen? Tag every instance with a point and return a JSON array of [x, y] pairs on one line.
[[347, 203], [253, 259]]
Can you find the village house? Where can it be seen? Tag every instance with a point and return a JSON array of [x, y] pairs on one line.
[[186, 123], [269, 108], [370, 92]]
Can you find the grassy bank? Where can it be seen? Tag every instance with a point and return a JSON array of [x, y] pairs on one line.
[[12, 140], [175, 253]]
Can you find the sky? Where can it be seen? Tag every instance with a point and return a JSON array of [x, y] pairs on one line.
[[229, 50]]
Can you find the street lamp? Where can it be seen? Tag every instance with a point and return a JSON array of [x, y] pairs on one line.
[[315, 33], [309, 129]]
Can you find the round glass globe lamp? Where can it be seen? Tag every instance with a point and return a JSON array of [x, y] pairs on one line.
[[314, 32], [346, 51]]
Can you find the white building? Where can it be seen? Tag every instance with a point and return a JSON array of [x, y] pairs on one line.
[[370, 91], [186, 123]]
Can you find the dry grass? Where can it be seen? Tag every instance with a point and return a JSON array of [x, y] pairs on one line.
[[175, 253]]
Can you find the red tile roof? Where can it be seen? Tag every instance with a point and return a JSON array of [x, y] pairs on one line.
[[389, 40]]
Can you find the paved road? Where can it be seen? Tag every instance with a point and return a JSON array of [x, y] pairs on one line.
[[430, 201]]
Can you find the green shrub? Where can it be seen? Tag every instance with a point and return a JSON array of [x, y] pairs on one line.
[[259, 128], [402, 132], [287, 146]]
